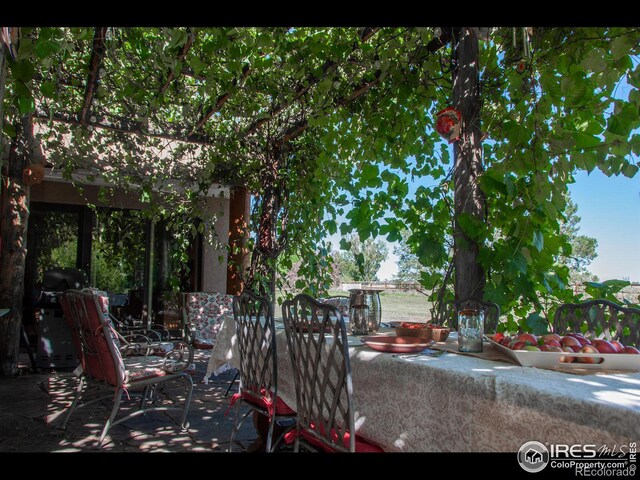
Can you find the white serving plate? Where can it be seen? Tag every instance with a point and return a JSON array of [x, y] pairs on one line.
[[610, 361]]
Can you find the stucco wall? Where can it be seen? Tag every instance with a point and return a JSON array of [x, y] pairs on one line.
[[214, 261]]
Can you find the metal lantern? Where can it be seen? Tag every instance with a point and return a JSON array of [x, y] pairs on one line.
[[448, 124]]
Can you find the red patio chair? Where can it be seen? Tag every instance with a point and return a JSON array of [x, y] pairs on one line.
[[258, 389], [322, 375], [103, 366]]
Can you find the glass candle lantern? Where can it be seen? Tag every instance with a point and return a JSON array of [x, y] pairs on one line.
[[370, 298], [470, 330]]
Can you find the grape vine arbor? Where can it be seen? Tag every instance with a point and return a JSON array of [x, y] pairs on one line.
[[320, 123]]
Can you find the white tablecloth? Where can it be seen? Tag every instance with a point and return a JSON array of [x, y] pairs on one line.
[[461, 403]]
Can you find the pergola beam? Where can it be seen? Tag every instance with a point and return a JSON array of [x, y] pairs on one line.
[[367, 33], [97, 53], [311, 81], [301, 126], [293, 131], [124, 126], [433, 46], [220, 101], [181, 56]]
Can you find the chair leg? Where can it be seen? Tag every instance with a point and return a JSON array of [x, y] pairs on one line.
[[114, 411], [236, 410], [143, 399], [272, 421], [183, 423], [232, 382], [74, 404]]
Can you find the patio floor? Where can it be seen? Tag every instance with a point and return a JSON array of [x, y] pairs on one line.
[[31, 406]]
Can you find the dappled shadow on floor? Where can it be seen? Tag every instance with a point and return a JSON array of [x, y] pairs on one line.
[[33, 408]]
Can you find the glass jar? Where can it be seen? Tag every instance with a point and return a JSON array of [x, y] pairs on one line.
[[470, 330], [359, 319]]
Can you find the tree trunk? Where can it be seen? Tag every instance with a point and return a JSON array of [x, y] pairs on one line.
[[273, 211], [3, 77], [468, 198], [15, 216]]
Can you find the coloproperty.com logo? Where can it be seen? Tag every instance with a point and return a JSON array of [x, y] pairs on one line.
[[583, 460]]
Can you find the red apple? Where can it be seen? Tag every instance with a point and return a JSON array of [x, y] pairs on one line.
[[544, 347], [581, 338], [603, 346], [551, 336], [498, 336], [518, 346], [528, 338], [505, 341], [567, 359], [583, 341], [631, 350], [569, 341], [617, 345], [552, 342], [589, 349]]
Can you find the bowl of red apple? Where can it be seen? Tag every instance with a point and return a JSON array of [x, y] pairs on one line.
[[422, 330]]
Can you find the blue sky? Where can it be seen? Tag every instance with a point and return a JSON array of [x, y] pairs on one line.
[[609, 210]]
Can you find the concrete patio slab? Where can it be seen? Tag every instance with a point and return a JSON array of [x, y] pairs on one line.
[[33, 405]]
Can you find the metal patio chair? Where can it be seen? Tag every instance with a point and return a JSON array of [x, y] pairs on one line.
[[258, 366], [131, 341], [106, 374], [447, 315], [602, 318], [203, 314], [322, 375], [340, 301]]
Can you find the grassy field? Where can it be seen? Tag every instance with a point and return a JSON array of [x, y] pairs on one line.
[[401, 306]]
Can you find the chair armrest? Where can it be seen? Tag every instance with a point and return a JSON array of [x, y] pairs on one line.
[[136, 344], [179, 359]]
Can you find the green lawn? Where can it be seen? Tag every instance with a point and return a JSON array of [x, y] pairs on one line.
[[401, 306]]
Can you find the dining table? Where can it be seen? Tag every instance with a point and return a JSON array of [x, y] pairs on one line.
[[442, 401]]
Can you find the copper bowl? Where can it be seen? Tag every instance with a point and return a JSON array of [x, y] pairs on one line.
[[423, 333], [440, 334]]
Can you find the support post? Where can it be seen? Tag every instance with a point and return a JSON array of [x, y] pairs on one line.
[[468, 198]]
